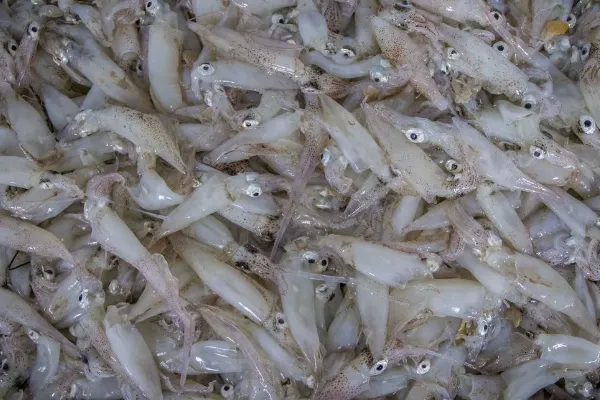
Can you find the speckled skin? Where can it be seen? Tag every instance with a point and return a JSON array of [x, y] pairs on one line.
[[399, 48], [264, 226], [16, 309], [479, 60], [25, 52], [100, 70], [90, 327], [116, 237], [144, 130], [350, 382], [315, 140], [589, 84], [19, 352], [24, 236], [274, 60], [261, 369]]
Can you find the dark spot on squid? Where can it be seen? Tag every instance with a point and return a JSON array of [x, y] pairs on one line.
[[22, 383], [242, 265], [366, 353], [251, 249], [317, 70]]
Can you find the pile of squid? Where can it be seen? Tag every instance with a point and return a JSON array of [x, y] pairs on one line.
[[299, 199]]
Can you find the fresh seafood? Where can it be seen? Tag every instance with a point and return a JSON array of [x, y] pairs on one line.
[[300, 199]]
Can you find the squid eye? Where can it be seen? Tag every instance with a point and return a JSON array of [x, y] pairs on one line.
[[33, 29], [253, 190], [310, 257], [377, 76], [530, 334], [227, 391], [536, 152], [310, 88], [12, 47], [502, 47], [347, 52], [529, 102], [206, 69], [571, 20], [277, 19], [585, 51], [423, 367], [482, 327], [451, 53], [587, 124], [80, 298], [452, 165], [249, 123], [445, 68], [48, 273], [497, 16], [415, 135], [379, 367], [280, 321]]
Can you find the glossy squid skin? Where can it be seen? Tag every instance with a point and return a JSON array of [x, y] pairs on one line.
[[432, 191]]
